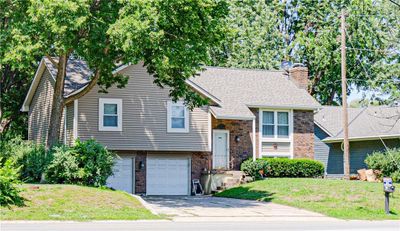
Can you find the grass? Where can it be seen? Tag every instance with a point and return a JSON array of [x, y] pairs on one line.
[[71, 202], [335, 198]]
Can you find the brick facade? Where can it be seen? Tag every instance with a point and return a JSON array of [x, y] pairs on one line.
[[200, 161], [299, 75], [140, 174], [238, 151], [303, 134]]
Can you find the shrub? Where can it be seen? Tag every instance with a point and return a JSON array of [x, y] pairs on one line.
[[9, 193], [30, 157], [253, 168], [95, 160], [396, 176], [283, 167], [387, 162], [63, 169]]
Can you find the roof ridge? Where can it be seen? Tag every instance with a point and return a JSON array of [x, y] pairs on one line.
[[244, 69]]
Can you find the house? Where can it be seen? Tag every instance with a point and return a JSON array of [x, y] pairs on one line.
[[162, 144], [370, 129]]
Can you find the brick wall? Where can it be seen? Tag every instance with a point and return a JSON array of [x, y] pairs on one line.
[[200, 161], [303, 134], [299, 75], [140, 174], [238, 151]]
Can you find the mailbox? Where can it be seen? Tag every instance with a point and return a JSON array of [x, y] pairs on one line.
[[388, 186]]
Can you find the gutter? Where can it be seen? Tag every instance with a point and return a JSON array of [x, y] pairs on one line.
[[361, 138]]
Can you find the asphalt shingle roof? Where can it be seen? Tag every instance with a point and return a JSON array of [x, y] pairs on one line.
[[78, 74], [373, 121], [237, 89]]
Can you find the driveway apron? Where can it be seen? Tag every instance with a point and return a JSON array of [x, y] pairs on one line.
[[217, 208]]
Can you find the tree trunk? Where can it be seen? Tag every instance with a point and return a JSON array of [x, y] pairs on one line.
[[58, 103]]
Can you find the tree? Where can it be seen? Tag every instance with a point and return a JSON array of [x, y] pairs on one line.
[[172, 37], [16, 71], [255, 39], [307, 31]]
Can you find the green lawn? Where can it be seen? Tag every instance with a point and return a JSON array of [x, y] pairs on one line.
[[71, 202], [335, 198]]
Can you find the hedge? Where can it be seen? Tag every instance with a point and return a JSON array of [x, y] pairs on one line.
[[283, 167]]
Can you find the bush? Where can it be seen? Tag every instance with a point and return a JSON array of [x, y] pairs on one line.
[[253, 168], [95, 160], [9, 193], [63, 169], [86, 163], [387, 162], [283, 167], [29, 157]]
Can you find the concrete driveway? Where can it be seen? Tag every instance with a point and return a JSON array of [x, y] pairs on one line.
[[187, 208]]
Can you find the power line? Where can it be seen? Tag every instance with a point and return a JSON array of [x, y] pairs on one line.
[[392, 1]]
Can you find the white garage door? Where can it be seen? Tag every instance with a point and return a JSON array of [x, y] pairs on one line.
[[123, 175], [167, 176]]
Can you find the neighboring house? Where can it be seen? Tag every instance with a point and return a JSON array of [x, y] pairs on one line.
[[163, 145], [370, 129]]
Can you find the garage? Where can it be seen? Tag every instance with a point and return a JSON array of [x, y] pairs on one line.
[[168, 175], [123, 177]]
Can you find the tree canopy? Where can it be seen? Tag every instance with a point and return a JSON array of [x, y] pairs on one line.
[[264, 33], [172, 37]]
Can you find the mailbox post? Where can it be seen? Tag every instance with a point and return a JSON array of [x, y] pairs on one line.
[[388, 188]]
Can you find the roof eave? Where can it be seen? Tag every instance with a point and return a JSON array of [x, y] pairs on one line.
[[361, 138], [33, 86], [203, 92], [322, 128], [231, 117], [295, 107]]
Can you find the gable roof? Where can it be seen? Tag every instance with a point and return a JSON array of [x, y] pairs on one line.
[[369, 123], [77, 77], [233, 91], [78, 74], [241, 89]]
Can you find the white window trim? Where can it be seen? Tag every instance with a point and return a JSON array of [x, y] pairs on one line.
[[103, 101], [170, 129], [276, 138]]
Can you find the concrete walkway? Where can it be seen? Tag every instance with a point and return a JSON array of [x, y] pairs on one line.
[[207, 208]]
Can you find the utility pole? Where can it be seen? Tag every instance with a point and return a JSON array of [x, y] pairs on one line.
[[346, 150]]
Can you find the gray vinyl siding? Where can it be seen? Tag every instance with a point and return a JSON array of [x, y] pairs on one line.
[[321, 149], [70, 124], [40, 109], [144, 118], [62, 127], [359, 150]]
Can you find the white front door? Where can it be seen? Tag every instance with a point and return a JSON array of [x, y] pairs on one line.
[[221, 149], [167, 175], [123, 175]]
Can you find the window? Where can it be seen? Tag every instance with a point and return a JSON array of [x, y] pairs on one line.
[[110, 114], [178, 117], [268, 124], [283, 124], [275, 124]]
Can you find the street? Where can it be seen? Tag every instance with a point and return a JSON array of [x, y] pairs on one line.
[[273, 224]]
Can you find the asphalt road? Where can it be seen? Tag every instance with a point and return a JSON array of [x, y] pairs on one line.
[[209, 226]]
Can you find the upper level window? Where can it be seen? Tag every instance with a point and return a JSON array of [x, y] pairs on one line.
[[178, 117], [275, 124], [110, 114]]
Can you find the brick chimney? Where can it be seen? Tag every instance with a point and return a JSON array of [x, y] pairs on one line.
[[299, 75]]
